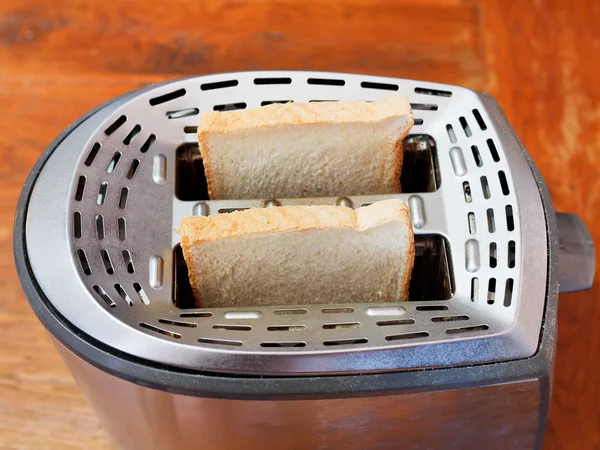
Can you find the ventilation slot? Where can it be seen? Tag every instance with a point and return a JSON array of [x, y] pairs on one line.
[[128, 261], [467, 329], [286, 328], [337, 310], [107, 263], [283, 344], [113, 162], [418, 121], [133, 168], [77, 224], [351, 341], [122, 231], [385, 311], [261, 81], [230, 210], [326, 82], [167, 97], [510, 221], [218, 85], [141, 293], [465, 127], [84, 262], [340, 326], [467, 192], [491, 221], [322, 101], [432, 308], [220, 342], [485, 187], [451, 133], [160, 330], [99, 220], [493, 150], [493, 255], [183, 113], [191, 130], [511, 254], [196, 314], [479, 120], [381, 86], [474, 289], [243, 315], [449, 318], [491, 298], [503, 182], [233, 327], [132, 134], [508, 292], [390, 323], [115, 126], [104, 296], [423, 107], [102, 193], [123, 294], [436, 92], [230, 106], [270, 102], [476, 156], [405, 336], [80, 188], [146, 145], [472, 224], [178, 324], [92, 155], [123, 197], [289, 312]]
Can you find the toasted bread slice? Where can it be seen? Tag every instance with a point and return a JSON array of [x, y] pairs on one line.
[[305, 149], [300, 255]]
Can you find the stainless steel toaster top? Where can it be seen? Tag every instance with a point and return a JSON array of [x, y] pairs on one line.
[[102, 242]]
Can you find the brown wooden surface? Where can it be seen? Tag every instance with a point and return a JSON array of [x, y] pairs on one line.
[[540, 59]]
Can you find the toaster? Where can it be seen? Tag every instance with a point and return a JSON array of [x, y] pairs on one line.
[[467, 362]]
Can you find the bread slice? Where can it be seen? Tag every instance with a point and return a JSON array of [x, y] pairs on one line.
[[305, 149], [300, 255]]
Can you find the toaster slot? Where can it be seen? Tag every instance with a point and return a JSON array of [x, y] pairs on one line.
[[419, 169], [431, 279], [190, 181], [420, 172]]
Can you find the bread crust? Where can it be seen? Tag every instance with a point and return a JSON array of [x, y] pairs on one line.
[[301, 114], [289, 219]]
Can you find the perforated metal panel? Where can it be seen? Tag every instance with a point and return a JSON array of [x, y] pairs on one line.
[[116, 211]]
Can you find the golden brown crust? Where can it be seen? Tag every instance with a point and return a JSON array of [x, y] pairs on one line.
[[197, 229], [186, 248], [404, 290], [302, 114], [206, 156]]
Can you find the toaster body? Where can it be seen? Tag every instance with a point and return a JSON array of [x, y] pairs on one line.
[[466, 363]]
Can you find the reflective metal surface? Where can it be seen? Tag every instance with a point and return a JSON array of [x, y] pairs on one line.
[[471, 205]]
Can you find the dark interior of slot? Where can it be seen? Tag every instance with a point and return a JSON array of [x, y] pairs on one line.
[[431, 279], [419, 169]]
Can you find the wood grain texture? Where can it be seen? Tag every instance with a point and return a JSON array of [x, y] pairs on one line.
[[539, 58]]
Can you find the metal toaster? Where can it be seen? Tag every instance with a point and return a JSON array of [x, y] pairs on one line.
[[466, 363]]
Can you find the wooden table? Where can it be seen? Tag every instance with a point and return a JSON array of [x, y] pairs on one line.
[[58, 59]]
